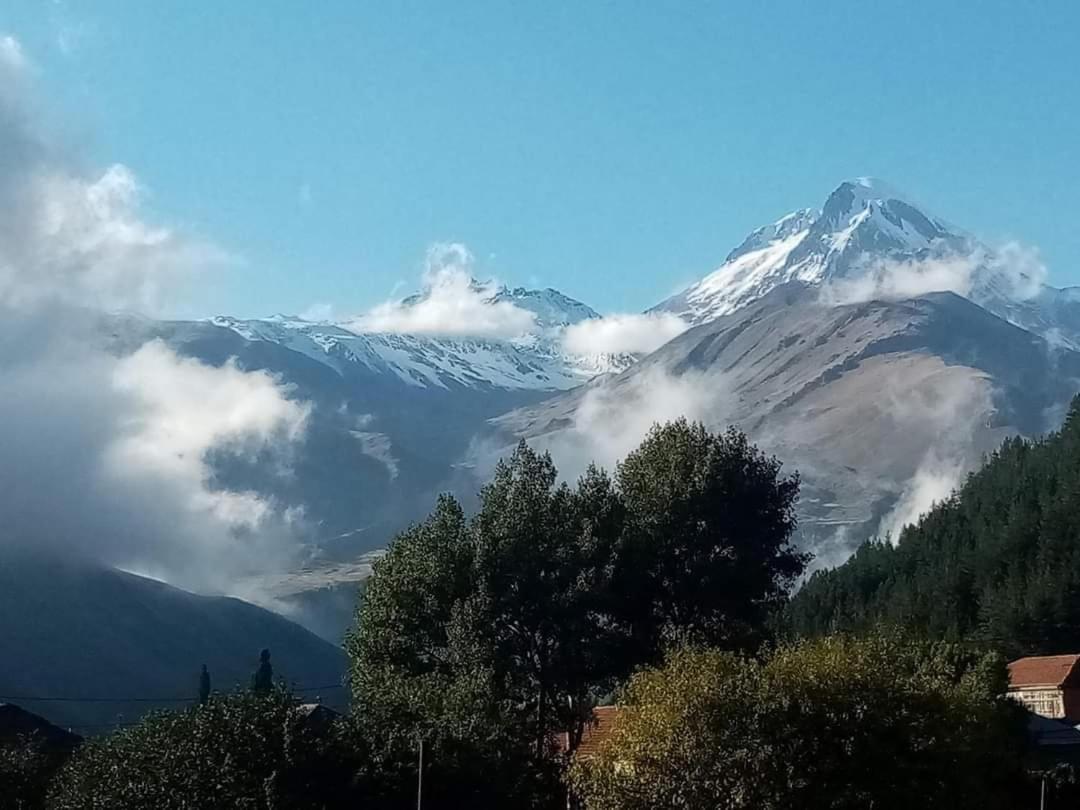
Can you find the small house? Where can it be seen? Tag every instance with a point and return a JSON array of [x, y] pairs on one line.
[[1048, 685], [596, 731]]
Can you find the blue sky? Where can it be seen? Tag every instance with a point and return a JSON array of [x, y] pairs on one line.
[[615, 151]]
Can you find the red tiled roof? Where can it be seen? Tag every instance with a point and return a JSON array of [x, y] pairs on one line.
[[604, 721], [1044, 670]]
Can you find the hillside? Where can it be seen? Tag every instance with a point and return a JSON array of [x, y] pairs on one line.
[[998, 561], [392, 414], [864, 400], [73, 630]]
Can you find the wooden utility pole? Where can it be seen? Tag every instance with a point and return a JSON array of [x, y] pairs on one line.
[[420, 778]]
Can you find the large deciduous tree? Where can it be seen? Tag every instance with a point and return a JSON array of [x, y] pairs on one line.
[[485, 638], [839, 723], [248, 750], [706, 553], [488, 636]]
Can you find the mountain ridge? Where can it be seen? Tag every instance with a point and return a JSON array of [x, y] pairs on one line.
[[401, 417], [862, 227], [104, 633], [533, 360], [858, 397]]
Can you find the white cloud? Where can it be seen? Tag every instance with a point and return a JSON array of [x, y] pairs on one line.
[[318, 313], [1013, 267], [1020, 267], [73, 236], [11, 53], [932, 483], [612, 419], [83, 241], [948, 416], [183, 410], [70, 32], [623, 333], [108, 456], [452, 303], [895, 280]]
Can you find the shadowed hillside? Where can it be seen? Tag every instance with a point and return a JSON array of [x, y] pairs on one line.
[[73, 630]]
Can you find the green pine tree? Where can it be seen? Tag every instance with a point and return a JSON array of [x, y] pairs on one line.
[[204, 685], [263, 680]]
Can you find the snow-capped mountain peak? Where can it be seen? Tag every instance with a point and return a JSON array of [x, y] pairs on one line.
[[534, 360], [867, 206], [852, 197], [863, 229], [860, 218], [873, 239], [797, 222], [551, 308]]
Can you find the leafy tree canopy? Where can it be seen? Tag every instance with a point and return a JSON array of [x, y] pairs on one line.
[[489, 636], [838, 723], [25, 770], [244, 751]]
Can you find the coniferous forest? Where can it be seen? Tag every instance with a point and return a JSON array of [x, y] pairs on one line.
[[997, 562]]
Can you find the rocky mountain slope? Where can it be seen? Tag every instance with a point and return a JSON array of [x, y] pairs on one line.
[[869, 402], [392, 414], [872, 345]]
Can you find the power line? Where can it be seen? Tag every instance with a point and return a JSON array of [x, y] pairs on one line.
[[86, 726], [186, 699]]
